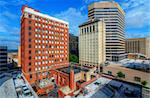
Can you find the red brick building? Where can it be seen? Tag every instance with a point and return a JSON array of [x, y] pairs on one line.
[[73, 79], [44, 44], [45, 55]]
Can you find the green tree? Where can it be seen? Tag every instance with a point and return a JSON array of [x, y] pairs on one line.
[[73, 58], [144, 83], [14, 64], [121, 74]]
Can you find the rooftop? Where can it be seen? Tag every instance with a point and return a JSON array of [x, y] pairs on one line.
[[45, 82], [141, 65], [144, 38], [106, 4], [118, 89], [89, 22], [106, 88], [32, 11], [76, 69], [4, 77], [7, 89]]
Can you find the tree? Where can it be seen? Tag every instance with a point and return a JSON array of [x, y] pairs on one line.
[[121, 74], [73, 58], [14, 64], [144, 83]]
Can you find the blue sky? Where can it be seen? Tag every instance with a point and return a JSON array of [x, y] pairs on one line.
[[73, 11]]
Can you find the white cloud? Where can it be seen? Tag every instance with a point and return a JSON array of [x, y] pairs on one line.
[[5, 18], [4, 3], [9, 15], [137, 13], [9, 35], [127, 4], [74, 17]]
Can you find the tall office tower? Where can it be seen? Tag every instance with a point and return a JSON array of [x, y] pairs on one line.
[[138, 45], [44, 44], [114, 18], [92, 43], [3, 59]]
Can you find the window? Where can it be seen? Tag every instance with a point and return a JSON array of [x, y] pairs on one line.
[[138, 79], [87, 29], [29, 69], [29, 16], [30, 76], [29, 45], [90, 28], [85, 76], [29, 21], [82, 31], [29, 63], [36, 51], [93, 28], [29, 57], [29, 51], [29, 40], [29, 28], [29, 33]]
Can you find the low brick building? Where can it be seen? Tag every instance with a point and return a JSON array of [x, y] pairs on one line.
[[73, 78]]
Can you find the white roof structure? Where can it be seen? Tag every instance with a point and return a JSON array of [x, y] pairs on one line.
[[134, 61], [93, 88], [32, 11], [7, 89]]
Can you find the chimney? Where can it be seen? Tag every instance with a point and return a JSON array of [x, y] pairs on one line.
[[72, 82]]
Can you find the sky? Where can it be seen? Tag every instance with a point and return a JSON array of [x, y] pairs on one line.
[[137, 16]]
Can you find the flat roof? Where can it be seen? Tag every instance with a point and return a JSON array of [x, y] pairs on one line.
[[76, 69], [106, 4], [32, 11], [103, 88], [118, 66], [117, 89], [90, 22], [142, 38], [7, 89], [92, 87], [141, 65], [131, 64], [4, 77]]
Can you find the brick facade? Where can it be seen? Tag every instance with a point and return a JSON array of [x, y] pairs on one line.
[[44, 44]]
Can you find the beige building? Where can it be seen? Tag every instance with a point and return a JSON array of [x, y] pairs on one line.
[[138, 45], [92, 43], [114, 18], [130, 75], [19, 56]]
